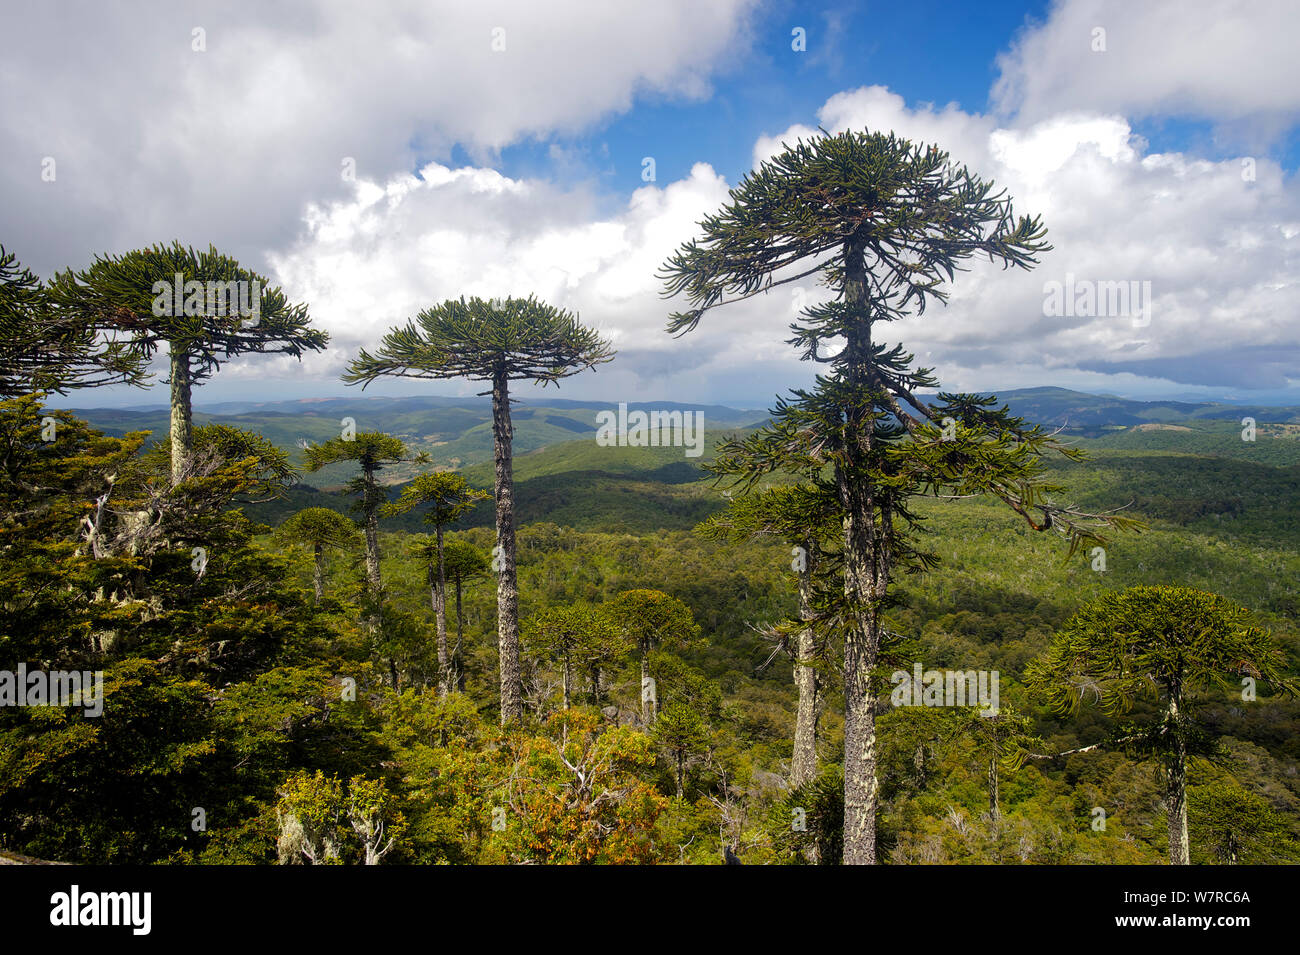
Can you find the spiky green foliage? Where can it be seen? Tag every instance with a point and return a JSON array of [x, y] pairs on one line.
[[906, 205], [577, 637], [651, 618], [444, 496], [522, 338], [791, 513], [1148, 642], [43, 349], [117, 294], [682, 732], [317, 525], [273, 473], [371, 451], [463, 562]]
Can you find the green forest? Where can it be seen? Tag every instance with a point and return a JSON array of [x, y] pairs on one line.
[[468, 632]]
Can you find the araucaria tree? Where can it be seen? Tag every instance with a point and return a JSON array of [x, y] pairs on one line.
[[882, 224], [497, 341], [204, 306], [649, 619], [371, 450], [446, 498], [462, 563], [44, 350], [576, 636], [1167, 644], [317, 528], [800, 516]]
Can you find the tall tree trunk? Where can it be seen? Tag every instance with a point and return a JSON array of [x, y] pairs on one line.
[[866, 577], [568, 678], [803, 764], [995, 801], [1176, 784], [512, 691], [458, 670], [182, 423], [649, 697], [318, 571], [374, 580], [440, 615], [595, 684], [681, 773]]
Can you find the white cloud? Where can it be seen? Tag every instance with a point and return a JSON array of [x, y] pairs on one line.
[[155, 140], [144, 155], [1223, 60], [1220, 254]]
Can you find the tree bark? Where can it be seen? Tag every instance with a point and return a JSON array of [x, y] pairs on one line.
[[1176, 784], [318, 571], [648, 699], [374, 580], [457, 670], [182, 419], [512, 691], [803, 764], [440, 615], [568, 678], [866, 577], [995, 801]]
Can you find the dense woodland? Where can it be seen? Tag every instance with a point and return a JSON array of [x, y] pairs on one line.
[[595, 655]]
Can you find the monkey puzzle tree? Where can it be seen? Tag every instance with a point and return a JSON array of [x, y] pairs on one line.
[[648, 619], [1164, 643], [270, 467], [999, 740], [883, 224], [682, 731], [204, 306], [577, 635], [800, 516], [371, 450], [445, 497], [41, 350], [499, 342], [318, 528], [462, 563], [1235, 825]]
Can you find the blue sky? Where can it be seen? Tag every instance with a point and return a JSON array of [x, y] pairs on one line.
[[848, 45]]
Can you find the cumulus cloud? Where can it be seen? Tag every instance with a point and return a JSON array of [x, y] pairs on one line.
[[1223, 60], [242, 145], [374, 260], [1217, 241], [154, 138], [1218, 251]]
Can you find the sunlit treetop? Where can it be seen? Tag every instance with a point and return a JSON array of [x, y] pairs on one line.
[[519, 338], [912, 213], [124, 295], [42, 349]]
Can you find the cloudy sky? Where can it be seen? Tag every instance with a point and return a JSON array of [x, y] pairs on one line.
[[374, 159]]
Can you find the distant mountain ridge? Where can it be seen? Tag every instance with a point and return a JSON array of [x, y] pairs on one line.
[[457, 430]]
